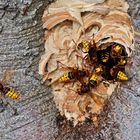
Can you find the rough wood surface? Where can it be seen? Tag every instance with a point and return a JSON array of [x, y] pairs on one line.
[[21, 44]]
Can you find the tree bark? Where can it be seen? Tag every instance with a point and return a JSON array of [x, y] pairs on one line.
[[21, 45]]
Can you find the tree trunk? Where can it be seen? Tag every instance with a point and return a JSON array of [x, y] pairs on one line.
[[21, 45]]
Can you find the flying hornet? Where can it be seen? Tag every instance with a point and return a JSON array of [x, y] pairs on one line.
[[7, 91]]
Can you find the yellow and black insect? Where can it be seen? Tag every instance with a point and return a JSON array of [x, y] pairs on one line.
[[89, 48], [122, 61], [119, 73], [73, 74], [85, 46], [117, 50], [122, 76], [95, 76], [85, 87], [104, 58], [7, 91]]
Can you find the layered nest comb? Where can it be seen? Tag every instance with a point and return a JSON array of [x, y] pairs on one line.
[[87, 46]]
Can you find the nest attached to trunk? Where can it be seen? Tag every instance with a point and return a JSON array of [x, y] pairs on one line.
[[68, 23]]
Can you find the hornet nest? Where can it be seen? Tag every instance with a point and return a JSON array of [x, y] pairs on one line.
[[87, 47]]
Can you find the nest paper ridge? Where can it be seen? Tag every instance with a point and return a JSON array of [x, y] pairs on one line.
[[67, 24]]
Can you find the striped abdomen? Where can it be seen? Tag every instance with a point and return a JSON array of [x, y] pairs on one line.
[[93, 80], [105, 57], [64, 77], [122, 76], [117, 49], [11, 93], [122, 62], [85, 46]]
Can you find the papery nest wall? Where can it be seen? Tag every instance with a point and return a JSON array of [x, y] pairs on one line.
[[67, 23]]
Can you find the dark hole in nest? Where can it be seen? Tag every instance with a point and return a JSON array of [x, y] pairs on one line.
[[113, 57], [104, 39], [46, 67]]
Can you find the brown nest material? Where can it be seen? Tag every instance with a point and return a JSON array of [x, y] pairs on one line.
[[103, 23]]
